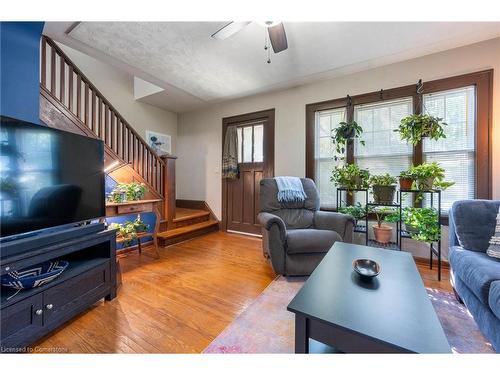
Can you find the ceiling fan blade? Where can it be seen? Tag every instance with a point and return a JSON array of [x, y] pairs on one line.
[[277, 36], [229, 29]]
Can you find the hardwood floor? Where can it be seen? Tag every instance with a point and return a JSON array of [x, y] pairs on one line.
[[180, 302]]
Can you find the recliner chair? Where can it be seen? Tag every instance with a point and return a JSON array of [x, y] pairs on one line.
[[297, 235]]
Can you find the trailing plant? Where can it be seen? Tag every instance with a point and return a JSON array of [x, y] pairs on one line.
[[129, 229], [344, 133], [429, 176], [425, 221], [415, 127], [350, 176], [357, 211], [382, 180], [135, 191], [9, 185]]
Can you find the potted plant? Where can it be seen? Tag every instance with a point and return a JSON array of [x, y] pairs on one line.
[[422, 223], [429, 176], [343, 134], [406, 179], [129, 230], [357, 211], [383, 188], [135, 191], [415, 127], [350, 177], [381, 231]]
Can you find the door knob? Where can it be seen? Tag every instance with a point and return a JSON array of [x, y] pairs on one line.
[[49, 306], [39, 312]]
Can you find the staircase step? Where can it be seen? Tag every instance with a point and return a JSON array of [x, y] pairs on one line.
[[178, 232], [182, 214]]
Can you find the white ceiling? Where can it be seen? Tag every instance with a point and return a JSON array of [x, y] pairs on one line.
[[195, 69]]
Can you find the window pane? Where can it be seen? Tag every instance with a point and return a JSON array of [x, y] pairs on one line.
[[247, 144], [258, 143], [240, 144], [384, 152], [455, 153], [324, 153]]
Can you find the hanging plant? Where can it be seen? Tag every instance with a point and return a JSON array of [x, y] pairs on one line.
[[415, 127], [343, 134]]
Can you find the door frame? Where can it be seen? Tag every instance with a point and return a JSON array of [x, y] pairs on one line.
[[268, 148]]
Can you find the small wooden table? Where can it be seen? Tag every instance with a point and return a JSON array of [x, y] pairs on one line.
[[138, 207]]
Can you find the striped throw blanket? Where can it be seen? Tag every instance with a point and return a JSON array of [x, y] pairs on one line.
[[494, 249], [290, 189]]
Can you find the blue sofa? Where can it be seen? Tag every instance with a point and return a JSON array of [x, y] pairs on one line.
[[475, 276]]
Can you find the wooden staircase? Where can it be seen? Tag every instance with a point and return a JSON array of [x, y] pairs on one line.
[[69, 101]]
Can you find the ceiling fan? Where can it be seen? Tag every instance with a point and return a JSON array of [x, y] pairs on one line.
[[275, 30]]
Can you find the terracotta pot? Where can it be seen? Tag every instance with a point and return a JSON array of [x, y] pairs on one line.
[[383, 194], [405, 183], [383, 234]]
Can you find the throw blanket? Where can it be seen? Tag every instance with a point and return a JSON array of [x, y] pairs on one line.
[[290, 189], [494, 249], [230, 154]]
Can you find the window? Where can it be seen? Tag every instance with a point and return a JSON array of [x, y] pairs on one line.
[[465, 104], [455, 153], [384, 152], [325, 122], [251, 143]]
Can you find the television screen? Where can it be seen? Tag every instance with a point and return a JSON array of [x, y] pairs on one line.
[[49, 177]]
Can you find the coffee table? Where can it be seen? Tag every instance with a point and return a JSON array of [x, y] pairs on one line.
[[391, 313]]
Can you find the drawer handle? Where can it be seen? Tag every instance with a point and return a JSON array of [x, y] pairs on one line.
[[39, 312], [49, 306]]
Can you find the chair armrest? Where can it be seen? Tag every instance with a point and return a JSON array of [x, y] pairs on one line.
[[267, 220], [341, 223]]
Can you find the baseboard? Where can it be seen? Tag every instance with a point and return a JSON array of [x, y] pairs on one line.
[[425, 261]]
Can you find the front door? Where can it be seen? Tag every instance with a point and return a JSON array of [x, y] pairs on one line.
[[240, 197]]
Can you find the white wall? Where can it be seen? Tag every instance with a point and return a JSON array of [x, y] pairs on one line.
[[200, 132], [118, 87]]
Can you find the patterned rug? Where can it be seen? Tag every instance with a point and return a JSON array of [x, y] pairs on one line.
[[267, 327]]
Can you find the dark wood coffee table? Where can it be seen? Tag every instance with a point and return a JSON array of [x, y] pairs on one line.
[[390, 314]]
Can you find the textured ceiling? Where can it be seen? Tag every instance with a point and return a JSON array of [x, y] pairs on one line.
[[182, 55]]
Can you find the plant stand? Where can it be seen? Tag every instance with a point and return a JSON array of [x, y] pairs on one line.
[[435, 199]]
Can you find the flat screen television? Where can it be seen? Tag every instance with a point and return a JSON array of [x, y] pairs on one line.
[[49, 178]]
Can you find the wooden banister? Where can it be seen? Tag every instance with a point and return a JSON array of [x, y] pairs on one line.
[[168, 182], [67, 85]]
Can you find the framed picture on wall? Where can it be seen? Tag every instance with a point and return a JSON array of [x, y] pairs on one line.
[[159, 142]]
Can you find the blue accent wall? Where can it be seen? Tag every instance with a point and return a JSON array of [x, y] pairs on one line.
[[20, 70]]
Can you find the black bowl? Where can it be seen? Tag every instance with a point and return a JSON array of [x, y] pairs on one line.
[[366, 267]]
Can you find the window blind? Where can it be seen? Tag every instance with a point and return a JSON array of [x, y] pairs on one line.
[[455, 153], [324, 152], [384, 152]]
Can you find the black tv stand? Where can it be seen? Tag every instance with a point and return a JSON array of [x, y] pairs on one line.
[[33, 313]]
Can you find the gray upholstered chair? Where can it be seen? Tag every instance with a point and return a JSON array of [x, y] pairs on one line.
[[297, 235]]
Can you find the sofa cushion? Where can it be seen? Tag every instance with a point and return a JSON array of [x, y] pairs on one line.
[[494, 298], [475, 222], [477, 270], [304, 241]]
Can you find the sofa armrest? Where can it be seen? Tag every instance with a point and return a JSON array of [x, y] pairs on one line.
[[267, 221], [341, 223]]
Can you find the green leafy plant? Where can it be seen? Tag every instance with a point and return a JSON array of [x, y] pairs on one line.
[[425, 222], [129, 229], [415, 127], [383, 180], [350, 177], [429, 176], [409, 174], [9, 185], [385, 214], [133, 191], [343, 134], [357, 211]]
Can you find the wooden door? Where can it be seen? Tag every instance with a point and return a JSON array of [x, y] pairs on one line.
[[240, 197]]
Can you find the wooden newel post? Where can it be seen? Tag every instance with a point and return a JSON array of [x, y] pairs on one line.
[[169, 192]]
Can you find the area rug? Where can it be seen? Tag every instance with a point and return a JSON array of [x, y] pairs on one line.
[[267, 327]]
